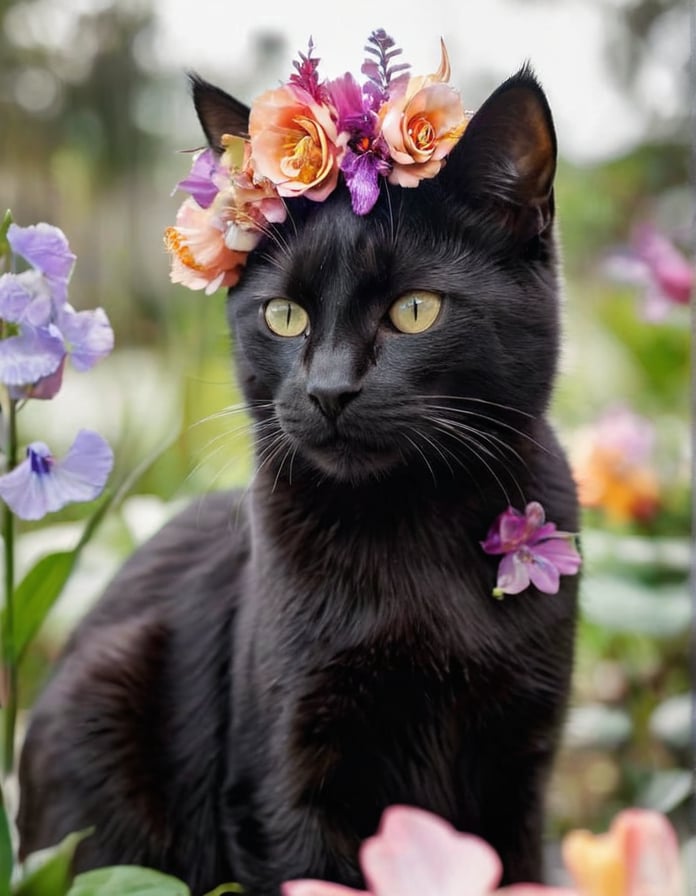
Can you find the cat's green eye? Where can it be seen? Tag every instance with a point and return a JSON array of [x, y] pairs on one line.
[[285, 318], [415, 312]]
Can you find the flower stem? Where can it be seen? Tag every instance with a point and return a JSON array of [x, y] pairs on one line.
[[9, 663]]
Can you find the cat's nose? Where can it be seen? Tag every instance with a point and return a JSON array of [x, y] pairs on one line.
[[332, 399]]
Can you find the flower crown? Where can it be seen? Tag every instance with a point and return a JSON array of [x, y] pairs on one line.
[[302, 136]]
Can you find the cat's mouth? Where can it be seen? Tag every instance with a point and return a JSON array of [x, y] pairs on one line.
[[350, 459]]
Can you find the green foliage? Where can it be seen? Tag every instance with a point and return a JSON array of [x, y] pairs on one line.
[[6, 859], [50, 872], [127, 880]]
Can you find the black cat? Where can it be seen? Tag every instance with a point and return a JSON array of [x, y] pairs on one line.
[[275, 668]]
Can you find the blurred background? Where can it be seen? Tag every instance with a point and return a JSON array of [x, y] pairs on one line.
[[94, 111]]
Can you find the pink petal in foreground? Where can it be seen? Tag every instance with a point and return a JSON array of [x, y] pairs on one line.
[[652, 853], [318, 888], [534, 890], [416, 853]]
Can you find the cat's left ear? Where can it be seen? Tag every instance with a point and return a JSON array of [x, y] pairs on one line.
[[218, 112], [506, 159]]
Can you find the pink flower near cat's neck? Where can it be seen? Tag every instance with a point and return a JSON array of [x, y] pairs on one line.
[[294, 143], [415, 853], [534, 551]]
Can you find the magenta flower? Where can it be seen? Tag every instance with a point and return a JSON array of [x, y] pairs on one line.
[[535, 552], [655, 264], [41, 484], [415, 853]]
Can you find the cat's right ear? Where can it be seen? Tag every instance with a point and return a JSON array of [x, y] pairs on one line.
[[218, 112]]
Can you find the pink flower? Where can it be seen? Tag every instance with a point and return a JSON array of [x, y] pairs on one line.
[[655, 264], [421, 123], [415, 853], [294, 143], [639, 856], [200, 257], [534, 551]]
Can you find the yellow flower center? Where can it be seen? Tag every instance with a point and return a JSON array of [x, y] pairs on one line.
[[304, 157], [174, 244], [422, 133]]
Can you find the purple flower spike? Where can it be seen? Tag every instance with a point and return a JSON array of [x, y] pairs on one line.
[[41, 484], [46, 249], [200, 180], [535, 552]]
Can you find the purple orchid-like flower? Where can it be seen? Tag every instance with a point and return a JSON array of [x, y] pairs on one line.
[[654, 263], [367, 154], [42, 484], [534, 551], [200, 182], [39, 327]]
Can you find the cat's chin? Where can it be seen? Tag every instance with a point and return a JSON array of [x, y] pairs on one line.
[[344, 463]]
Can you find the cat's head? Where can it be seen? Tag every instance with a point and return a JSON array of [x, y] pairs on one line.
[[420, 335]]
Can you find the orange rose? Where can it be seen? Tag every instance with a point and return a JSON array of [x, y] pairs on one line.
[[422, 124], [293, 143]]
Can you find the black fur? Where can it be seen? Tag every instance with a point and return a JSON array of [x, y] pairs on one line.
[[273, 669]]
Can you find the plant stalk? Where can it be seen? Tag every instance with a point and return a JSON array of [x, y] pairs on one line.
[[9, 661]]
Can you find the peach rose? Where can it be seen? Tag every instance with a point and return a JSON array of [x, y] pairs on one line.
[[421, 124], [200, 257], [293, 143]]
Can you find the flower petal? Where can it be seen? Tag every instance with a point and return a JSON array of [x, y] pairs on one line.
[[318, 888], [561, 552], [46, 248], [513, 574], [534, 890], [199, 181], [415, 852], [88, 336], [41, 485], [361, 173], [543, 574], [34, 353]]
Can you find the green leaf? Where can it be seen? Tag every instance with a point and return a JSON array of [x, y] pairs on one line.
[[5, 250], [127, 880], [37, 593], [226, 888], [5, 853], [50, 873]]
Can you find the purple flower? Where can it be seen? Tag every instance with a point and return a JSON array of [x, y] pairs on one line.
[[534, 551], [200, 181], [41, 484], [46, 249], [367, 154], [655, 264], [39, 327], [34, 347]]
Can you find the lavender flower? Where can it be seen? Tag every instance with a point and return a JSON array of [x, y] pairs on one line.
[[535, 552], [41, 484]]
